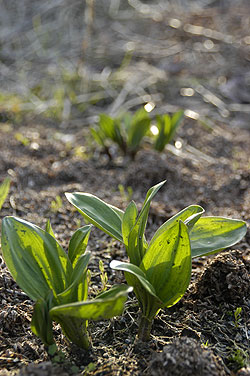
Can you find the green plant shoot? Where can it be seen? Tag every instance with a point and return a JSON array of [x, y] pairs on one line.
[[127, 132], [56, 280], [103, 276], [237, 316], [4, 190], [160, 270], [167, 126], [56, 204]]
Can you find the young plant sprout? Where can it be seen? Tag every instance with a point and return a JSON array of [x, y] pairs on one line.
[[57, 281], [128, 131], [160, 270], [4, 190], [167, 126]]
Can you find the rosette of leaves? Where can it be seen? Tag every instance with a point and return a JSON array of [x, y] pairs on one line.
[[160, 270], [56, 280], [126, 132], [167, 126]]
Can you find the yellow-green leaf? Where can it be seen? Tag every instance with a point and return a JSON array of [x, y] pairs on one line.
[[212, 234], [35, 259], [188, 215], [103, 308], [4, 190], [78, 243]]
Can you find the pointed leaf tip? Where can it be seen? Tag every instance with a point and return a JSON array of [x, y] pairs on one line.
[[102, 215]]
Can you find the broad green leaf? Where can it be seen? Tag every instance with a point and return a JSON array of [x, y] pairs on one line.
[[136, 271], [190, 221], [4, 190], [78, 243], [98, 309], [128, 221], [100, 214], [118, 211], [189, 216], [35, 259], [212, 234], [167, 263], [137, 244], [77, 290], [41, 323]]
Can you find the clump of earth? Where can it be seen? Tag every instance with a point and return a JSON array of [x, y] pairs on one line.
[[226, 279], [185, 356]]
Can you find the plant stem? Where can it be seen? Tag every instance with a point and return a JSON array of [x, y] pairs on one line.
[[144, 329], [76, 331]]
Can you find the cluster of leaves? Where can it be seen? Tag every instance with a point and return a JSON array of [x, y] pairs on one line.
[[128, 131], [159, 272], [56, 280]]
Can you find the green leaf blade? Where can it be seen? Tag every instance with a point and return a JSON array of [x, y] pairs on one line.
[[176, 120], [49, 228], [102, 215], [137, 244], [164, 126], [135, 271], [137, 131], [106, 124], [77, 290], [78, 243], [98, 136], [35, 259], [41, 323], [167, 263], [212, 234], [167, 127], [189, 215], [128, 221], [110, 305], [4, 190]]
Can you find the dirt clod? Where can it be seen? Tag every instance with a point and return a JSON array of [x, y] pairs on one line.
[[226, 279], [185, 356], [42, 369]]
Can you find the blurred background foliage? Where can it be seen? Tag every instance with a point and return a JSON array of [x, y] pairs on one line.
[[70, 61]]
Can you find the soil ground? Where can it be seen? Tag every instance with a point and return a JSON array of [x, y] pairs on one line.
[[200, 335]]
